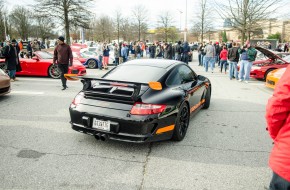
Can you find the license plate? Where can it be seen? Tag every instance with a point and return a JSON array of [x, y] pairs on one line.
[[102, 125]]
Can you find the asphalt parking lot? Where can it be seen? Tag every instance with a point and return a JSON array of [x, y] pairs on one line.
[[226, 146]]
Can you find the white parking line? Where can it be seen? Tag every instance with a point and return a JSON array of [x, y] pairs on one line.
[[26, 92], [38, 79]]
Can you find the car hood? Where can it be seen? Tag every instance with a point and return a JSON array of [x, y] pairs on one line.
[[277, 73], [268, 53]]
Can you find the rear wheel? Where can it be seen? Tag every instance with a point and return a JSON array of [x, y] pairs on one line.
[[54, 72], [92, 64], [181, 123], [207, 98]]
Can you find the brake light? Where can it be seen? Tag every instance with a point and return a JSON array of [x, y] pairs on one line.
[[78, 99], [118, 84], [147, 109]]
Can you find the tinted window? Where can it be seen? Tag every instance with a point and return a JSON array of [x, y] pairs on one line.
[[136, 73], [180, 75]]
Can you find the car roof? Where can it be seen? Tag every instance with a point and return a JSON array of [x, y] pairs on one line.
[[161, 63]]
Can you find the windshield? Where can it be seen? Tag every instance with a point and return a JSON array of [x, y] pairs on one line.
[[136, 73], [45, 55]]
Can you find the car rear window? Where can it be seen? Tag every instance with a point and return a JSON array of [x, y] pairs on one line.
[[136, 73]]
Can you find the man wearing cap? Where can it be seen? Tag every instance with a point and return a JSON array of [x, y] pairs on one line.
[[64, 58], [11, 53]]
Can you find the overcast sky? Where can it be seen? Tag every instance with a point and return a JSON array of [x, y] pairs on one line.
[[154, 7]]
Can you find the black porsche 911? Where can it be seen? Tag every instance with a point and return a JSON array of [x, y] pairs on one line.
[[139, 101]]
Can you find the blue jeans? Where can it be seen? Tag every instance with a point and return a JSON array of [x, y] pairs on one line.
[[100, 64], [12, 74], [245, 70], [138, 56], [233, 70], [278, 183], [207, 61], [224, 63], [202, 60]]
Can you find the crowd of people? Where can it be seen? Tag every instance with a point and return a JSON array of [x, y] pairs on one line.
[[225, 55], [139, 49]]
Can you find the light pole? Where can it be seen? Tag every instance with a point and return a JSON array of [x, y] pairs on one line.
[[185, 26], [180, 19]]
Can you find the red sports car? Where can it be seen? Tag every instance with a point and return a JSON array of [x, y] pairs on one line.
[[41, 65], [262, 67]]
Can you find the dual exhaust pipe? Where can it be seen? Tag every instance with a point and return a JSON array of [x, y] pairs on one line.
[[101, 137]]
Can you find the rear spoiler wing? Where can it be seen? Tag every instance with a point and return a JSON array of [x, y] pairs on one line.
[[131, 89]]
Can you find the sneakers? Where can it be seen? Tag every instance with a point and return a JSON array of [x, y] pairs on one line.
[[12, 80], [240, 80], [246, 81]]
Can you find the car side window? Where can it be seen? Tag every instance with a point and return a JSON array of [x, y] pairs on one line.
[[186, 74], [180, 75], [174, 78]]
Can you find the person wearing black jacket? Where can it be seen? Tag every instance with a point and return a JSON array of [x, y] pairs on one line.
[[63, 57], [233, 59], [11, 53], [152, 50]]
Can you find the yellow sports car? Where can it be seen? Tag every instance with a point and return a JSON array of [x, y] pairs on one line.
[[274, 76]]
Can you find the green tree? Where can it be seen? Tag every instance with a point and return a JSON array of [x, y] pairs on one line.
[[275, 36], [224, 36]]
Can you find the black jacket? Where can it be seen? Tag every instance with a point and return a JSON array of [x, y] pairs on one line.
[[233, 54], [12, 58]]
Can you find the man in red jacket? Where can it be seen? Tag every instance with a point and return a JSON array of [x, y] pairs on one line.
[[278, 121]]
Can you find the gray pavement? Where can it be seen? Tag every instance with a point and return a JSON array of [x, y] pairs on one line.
[[226, 146]]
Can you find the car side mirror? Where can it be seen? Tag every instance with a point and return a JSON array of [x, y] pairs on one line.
[[35, 58], [200, 77]]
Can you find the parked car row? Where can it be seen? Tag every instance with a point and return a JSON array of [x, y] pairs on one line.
[[41, 65], [269, 66]]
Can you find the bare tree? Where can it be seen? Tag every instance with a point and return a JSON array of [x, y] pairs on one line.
[[118, 20], [127, 30], [2, 21], [140, 14], [104, 28], [19, 18], [68, 12], [246, 14], [43, 26], [202, 21], [165, 22]]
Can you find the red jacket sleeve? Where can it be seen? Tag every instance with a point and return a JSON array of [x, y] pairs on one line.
[[278, 108]]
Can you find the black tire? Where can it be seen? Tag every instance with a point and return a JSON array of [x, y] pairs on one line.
[[267, 72], [207, 98], [54, 72], [92, 64], [181, 123]]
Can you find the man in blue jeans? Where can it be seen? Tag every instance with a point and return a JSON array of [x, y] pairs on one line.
[[248, 55], [233, 59], [209, 57]]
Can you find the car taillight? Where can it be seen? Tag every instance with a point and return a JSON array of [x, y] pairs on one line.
[[147, 109], [77, 99]]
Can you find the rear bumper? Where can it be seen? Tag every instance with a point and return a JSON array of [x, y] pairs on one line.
[[136, 129]]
